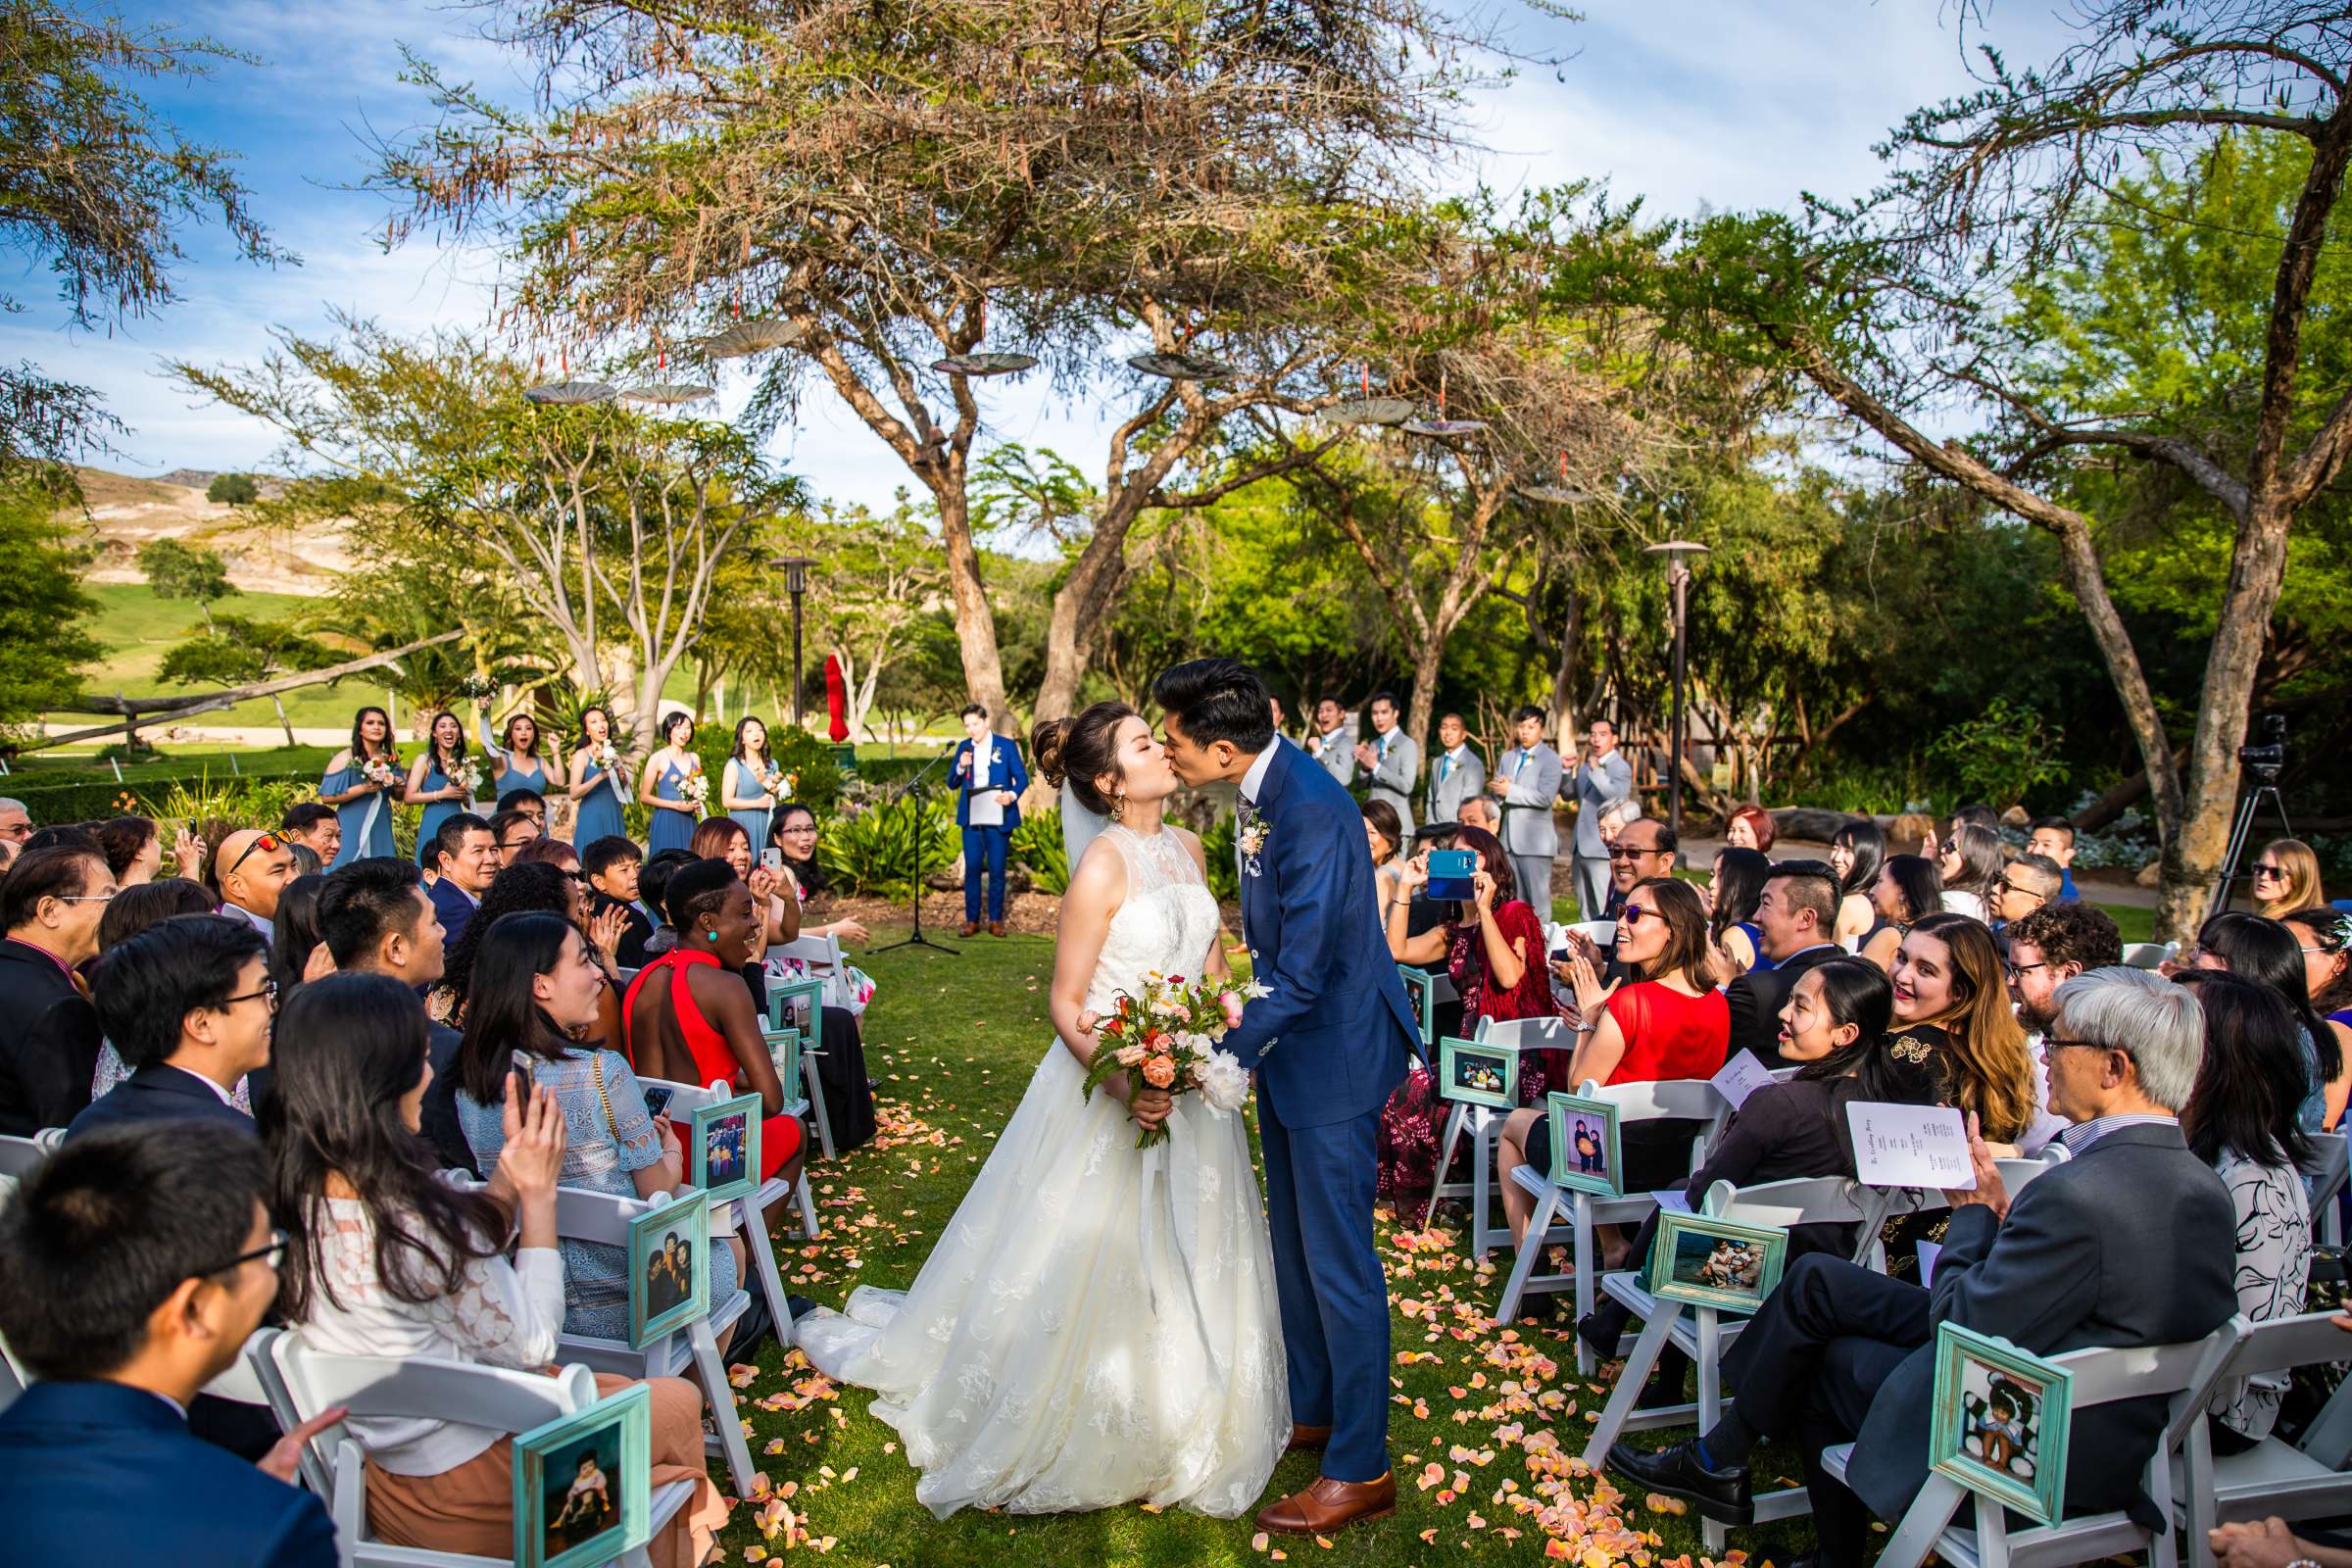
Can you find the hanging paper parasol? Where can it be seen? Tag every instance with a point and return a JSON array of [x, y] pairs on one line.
[[755, 336], [1183, 367], [666, 393], [837, 700], [1370, 411], [568, 394], [983, 364], [1443, 430]]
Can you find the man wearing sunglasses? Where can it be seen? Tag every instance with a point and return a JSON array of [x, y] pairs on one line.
[[255, 868], [190, 1003], [2027, 884], [134, 1265]]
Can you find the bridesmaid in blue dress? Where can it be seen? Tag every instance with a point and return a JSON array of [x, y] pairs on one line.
[[747, 800], [519, 766], [433, 782], [674, 817], [363, 808], [597, 785]]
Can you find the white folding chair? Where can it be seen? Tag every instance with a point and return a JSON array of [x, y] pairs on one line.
[[18, 1155], [1484, 1124], [2273, 1476], [1669, 1099], [812, 1048], [602, 1218], [2186, 1373], [304, 1382], [750, 1214], [2331, 1159]]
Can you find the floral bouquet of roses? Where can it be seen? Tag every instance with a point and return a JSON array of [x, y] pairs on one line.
[[779, 783], [694, 787], [606, 756], [381, 772], [477, 687], [1168, 1035], [468, 777]]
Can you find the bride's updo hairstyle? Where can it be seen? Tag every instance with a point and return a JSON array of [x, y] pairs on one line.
[[1081, 751]]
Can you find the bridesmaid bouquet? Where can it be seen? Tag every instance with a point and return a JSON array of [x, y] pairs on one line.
[[1167, 1036], [694, 787], [468, 777], [606, 756], [380, 772], [477, 687]]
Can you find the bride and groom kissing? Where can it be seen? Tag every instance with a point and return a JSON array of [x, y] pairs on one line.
[[1101, 1325]]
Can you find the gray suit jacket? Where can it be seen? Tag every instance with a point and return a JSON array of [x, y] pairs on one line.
[[1451, 782], [2132, 1243], [1338, 757], [1527, 825], [1591, 786], [1394, 778]]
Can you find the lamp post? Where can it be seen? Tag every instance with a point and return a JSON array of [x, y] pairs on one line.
[[1678, 581], [795, 583]]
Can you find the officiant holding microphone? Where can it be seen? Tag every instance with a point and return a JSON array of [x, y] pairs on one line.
[[989, 779]]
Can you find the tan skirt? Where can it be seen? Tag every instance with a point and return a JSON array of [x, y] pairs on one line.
[[471, 1508]]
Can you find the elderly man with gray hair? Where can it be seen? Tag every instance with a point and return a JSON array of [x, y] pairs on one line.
[[2129, 1242]]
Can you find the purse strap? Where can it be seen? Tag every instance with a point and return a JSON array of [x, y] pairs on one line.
[[597, 1063]]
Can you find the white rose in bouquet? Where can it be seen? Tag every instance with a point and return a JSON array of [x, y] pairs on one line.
[[1222, 1080]]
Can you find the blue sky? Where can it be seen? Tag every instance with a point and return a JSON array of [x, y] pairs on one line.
[[1687, 103]]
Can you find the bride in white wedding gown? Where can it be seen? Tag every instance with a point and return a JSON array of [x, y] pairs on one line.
[[1098, 1324]]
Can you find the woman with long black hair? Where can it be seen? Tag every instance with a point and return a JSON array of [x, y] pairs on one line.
[[1731, 899], [1856, 855], [361, 782], [2261, 949], [383, 1259], [1971, 868], [1907, 891]]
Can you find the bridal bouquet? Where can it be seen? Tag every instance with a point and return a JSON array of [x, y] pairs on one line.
[[1167, 1036], [477, 687]]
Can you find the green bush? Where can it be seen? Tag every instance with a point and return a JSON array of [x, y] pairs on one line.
[[1218, 849], [2000, 757], [235, 489], [1036, 844], [872, 852], [96, 799], [809, 758]]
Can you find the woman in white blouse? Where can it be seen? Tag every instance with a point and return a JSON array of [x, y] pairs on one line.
[[2241, 1120], [385, 1259]]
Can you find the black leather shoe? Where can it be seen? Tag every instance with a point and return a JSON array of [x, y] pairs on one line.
[[1597, 1339], [1723, 1495]]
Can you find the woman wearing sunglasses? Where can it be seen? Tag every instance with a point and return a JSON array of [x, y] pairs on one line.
[[2286, 878]]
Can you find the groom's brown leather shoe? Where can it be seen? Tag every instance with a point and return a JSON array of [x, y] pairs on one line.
[[1330, 1506], [1304, 1436], [971, 928]]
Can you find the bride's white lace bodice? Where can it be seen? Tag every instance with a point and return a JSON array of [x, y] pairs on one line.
[[1166, 922]]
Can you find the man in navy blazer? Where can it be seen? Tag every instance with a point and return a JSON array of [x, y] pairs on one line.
[[987, 770], [189, 1003], [465, 854], [1330, 1034], [135, 1263]]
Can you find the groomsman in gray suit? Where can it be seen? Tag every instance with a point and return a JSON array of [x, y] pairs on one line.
[[1456, 773], [1527, 780], [1333, 745], [1390, 760], [1601, 777]]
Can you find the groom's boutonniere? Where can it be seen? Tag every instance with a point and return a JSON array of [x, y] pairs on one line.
[[1252, 838]]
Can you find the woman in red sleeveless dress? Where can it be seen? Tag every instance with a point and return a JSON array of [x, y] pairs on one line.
[[689, 1015]]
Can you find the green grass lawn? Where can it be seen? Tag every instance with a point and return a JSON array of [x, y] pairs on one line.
[[952, 1042]]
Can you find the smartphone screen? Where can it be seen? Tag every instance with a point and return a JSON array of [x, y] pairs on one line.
[[772, 857], [657, 1100], [1449, 874], [520, 1061]]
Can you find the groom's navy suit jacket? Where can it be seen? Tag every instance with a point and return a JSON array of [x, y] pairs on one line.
[[1336, 1037]]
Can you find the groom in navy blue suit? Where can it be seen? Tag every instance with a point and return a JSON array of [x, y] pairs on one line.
[[1330, 1041]]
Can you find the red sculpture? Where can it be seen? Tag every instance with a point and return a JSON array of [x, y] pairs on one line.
[[837, 700]]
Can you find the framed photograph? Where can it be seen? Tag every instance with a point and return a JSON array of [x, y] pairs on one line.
[[1712, 1262], [669, 1268], [1422, 987], [581, 1484], [1585, 1156], [801, 1006], [784, 1055], [722, 1143], [2001, 1420], [1476, 1073]]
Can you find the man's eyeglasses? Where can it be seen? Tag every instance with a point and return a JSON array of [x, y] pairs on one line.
[[272, 1251], [268, 992], [16, 830], [2008, 886], [1632, 852], [107, 897], [2017, 971], [269, 842]]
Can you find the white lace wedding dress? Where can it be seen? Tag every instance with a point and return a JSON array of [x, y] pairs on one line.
[[1098, 1325]]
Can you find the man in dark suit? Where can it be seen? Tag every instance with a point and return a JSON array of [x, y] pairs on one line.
[[50, 905], [466, 853], [1796, 917], [135, 1263], [989, 779], [375, 918], [2128, 1243], [189, 1003]]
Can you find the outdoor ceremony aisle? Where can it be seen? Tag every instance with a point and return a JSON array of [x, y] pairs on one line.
[[952, 1041]]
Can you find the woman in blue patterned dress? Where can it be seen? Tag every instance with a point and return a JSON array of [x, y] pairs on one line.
[[661, 788], [433, 781], [364, 805], [597, 774], [742, 792], [519, 766]]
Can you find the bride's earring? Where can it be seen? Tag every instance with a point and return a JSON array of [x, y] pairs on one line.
[[1118, 808]]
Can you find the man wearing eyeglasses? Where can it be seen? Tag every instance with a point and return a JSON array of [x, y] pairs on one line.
[[255, 868], [122, 1324], [190, 1003], [2029, 882], [15, 822], [1646, 847], [50, 903]]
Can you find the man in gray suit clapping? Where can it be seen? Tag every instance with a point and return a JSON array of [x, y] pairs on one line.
[[1333, 745], [1455, 773], [1390, 760], [1602, 775], [1527, 779]]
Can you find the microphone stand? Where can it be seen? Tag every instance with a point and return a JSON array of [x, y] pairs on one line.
[[919, 791]]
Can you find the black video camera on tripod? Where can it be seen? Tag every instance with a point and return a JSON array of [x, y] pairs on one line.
[[2266, 762]]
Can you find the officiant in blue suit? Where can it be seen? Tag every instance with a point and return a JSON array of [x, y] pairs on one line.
[[990, 777]]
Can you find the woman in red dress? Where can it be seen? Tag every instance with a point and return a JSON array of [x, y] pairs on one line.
[[689, 1015]]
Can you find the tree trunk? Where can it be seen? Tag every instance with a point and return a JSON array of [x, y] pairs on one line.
[[1563, 680], [975, 626], [283, 722], [1080, 607]]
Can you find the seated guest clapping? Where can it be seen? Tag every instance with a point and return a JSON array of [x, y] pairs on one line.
[[535, 992], [2127, 1244], [385, 1259], [189, 1004], [135, 1263], [2240, 1120]]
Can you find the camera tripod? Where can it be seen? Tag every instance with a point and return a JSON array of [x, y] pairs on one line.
[[2265, 787]]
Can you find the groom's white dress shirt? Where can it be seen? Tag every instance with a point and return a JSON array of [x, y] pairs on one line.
[[1255, 779]]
